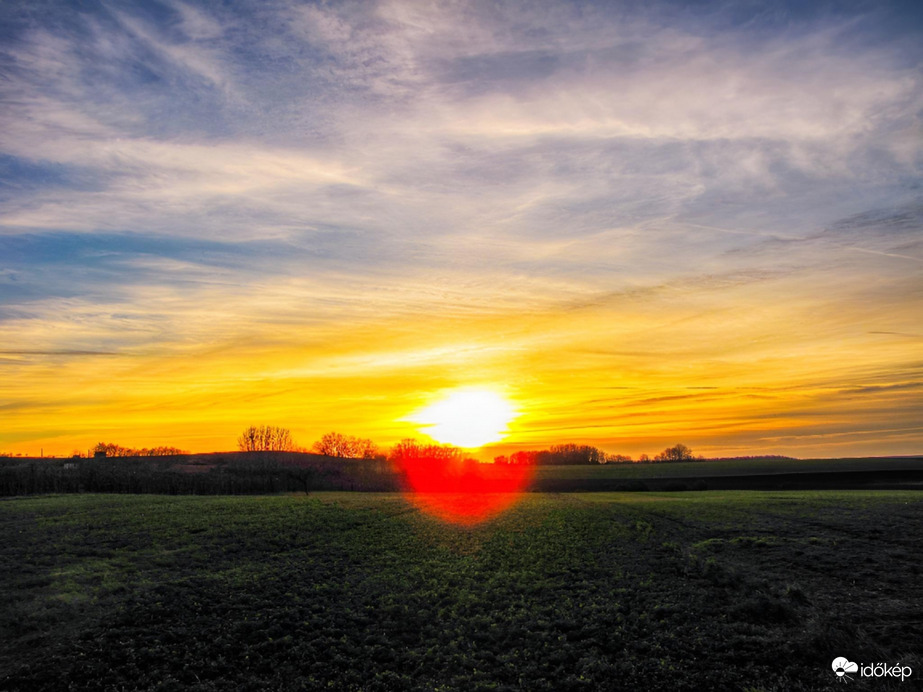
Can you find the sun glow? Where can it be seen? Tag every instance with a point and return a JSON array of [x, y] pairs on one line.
[[466, 418]]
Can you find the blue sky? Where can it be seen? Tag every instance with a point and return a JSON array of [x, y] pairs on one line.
[[578, 202]]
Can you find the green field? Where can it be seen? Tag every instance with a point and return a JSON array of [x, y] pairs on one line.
[[727, 467], [358, 591]]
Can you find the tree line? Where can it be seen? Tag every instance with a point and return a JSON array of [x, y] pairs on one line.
[[266, 438], [411, 451], [573, 454], [224, 474], [271, 438], [109, 449], [270, 462]]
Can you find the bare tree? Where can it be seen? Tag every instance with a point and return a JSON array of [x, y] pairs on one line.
[[576, 454], [110, 449], [678, 452], [333, 444], [266, 438], [411, 451], [558, 454]]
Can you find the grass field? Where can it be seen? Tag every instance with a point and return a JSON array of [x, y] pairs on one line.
[[358, 591], [728, 467]]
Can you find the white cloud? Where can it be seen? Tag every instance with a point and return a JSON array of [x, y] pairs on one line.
[[197, 24], [557, 145]]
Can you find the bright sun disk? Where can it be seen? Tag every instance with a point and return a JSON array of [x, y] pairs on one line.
[[466, 418]]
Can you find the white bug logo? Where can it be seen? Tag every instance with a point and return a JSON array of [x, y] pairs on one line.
[[842, 666]]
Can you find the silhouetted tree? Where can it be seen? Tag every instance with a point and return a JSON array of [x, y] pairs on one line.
[[110, 449], [410, 450], [333, 444], [558, 455], [266, 438], [524, 457], [576, 454], [678, 452]]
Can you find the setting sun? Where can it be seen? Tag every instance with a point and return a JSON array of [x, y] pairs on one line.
[[466, 418]]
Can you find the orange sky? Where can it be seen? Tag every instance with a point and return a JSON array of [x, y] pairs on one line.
[[744, 367]]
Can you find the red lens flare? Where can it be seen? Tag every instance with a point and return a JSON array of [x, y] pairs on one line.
[[460, 491]]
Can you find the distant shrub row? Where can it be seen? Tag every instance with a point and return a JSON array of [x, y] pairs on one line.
[[232, 474], [573, 454], [108, 449]]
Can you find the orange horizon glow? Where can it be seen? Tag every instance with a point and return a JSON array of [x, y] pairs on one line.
[[747, 388]]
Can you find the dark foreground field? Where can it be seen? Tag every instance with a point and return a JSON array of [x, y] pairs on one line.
[[348, 591]]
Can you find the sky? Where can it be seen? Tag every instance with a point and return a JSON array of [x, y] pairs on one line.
[[640, 223]]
